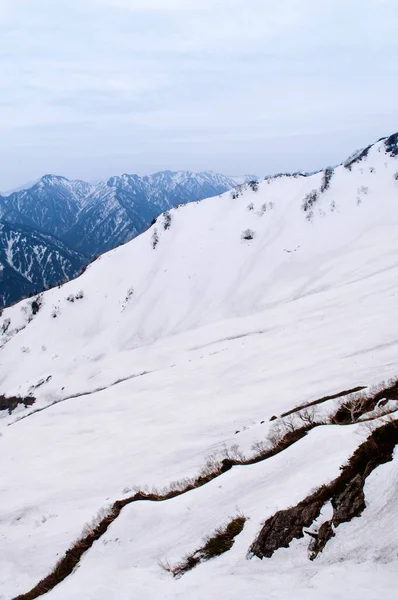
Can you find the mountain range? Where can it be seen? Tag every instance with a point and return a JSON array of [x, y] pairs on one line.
[[210, 410], [51, 230]]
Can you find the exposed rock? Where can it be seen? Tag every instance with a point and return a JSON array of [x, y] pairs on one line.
[[10, 403], [280, 529], [320, 539], [349, 503]]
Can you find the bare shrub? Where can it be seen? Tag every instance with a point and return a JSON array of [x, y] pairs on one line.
[[166, 220], [91, 526], [6, 325], [260, 447], [248, 234], [36, 304], [155, 238], [73, 297], [129, 295], [310, 199], [350, 410], [307, 416], [327, 178], [356, 157], [216, 544], [362, 403], [363, 190], [233, 453], [253, 185]]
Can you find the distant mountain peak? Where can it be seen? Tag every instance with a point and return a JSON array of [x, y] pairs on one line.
[[50, 179]]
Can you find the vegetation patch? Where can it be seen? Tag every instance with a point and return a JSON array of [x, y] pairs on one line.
[[155, 238], [73, 297], [253, 185], [327, 178], [36, 304], [362, 403], [359, 388], [166, 220], [309, 202], [357, 157], [391, 144], [248, 234], [221, 541]]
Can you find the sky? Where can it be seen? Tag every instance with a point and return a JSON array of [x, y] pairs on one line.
[[94, 88]]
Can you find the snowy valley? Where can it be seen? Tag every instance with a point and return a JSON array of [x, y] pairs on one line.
[[144, 403]]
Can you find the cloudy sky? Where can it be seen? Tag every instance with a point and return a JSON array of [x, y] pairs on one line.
[[91, 88]]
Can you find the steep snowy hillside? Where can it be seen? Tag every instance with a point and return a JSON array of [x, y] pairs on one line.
[[91, 219], [176, 357], [119, 209]]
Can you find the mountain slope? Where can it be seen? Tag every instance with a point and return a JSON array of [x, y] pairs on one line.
[[116, 211], [31, 261], [183, 343], [93, 219], [51, 204]]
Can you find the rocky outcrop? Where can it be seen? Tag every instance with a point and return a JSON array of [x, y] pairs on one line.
[[350, 502], [320, 539], [346, 494], [280, 529]]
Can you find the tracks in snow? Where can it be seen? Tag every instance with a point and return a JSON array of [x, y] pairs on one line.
[[80, 394]]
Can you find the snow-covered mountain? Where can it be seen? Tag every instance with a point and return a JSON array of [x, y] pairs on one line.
[[51, 205], [31, 261], [180, 353], [119, 209], [91, 219]]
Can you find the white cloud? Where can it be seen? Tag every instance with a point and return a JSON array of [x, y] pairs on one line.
[[203, 81]]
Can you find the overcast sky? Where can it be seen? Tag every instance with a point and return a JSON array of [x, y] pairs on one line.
[[91, 88]]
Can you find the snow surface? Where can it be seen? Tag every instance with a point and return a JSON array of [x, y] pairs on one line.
[[176, 352]]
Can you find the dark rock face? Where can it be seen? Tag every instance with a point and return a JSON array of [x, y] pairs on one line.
[[350, 503], [10, 403], [279, 530], [320, 539]]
